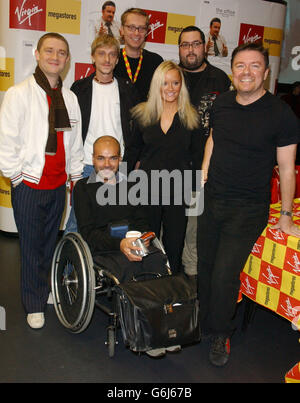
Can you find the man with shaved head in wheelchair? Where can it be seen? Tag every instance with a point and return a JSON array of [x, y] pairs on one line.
[[157, 311], [104, 219]]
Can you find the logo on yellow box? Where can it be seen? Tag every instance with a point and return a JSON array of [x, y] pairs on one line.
[[7, 73], [175, 24], [63, 16], [272, 40], [5, 197]]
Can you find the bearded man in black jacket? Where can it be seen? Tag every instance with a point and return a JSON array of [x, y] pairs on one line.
[[204, 82]]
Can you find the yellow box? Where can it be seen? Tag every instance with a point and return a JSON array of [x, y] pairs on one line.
[[290, 284], [7, 73], [273, 40], [293, 243], [252, 266], [5, 194], [175, 24], [274, 253], [267, 296], [63, 16]]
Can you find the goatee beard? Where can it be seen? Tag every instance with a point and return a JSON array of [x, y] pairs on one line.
[[192, 68]]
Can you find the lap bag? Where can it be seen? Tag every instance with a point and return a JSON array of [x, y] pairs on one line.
[[160, 312]]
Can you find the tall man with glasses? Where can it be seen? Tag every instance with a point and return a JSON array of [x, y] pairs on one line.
[[204, 83], [136, 63]]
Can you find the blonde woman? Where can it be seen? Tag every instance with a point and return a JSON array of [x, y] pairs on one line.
[[168, 141]]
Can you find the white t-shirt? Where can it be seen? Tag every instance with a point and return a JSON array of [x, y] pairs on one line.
[[105, 117]]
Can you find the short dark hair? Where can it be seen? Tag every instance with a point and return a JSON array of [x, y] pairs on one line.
[[108, 3], [216, 19], [192, 28], [257, 46], [52, 35]]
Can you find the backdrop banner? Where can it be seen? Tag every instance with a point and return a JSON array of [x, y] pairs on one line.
[[23, 22]]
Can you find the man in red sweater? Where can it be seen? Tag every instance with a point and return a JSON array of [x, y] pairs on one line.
[[40, 147]]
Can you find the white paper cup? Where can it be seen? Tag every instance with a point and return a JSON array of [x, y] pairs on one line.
[[133, 234]]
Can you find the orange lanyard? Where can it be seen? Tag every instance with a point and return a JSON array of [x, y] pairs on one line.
[[127, 65]]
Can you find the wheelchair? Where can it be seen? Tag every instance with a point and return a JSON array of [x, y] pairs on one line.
[[79, 285]]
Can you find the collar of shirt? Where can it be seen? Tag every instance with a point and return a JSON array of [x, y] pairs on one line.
[[94, 178]]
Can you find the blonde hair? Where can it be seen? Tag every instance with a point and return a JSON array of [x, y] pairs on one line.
[[149, 112], [104, 40], [136, 11]]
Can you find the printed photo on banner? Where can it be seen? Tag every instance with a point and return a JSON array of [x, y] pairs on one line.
[[104, 17], [219, 22]]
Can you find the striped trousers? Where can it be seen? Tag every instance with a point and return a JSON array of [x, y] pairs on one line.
[[38, 215]]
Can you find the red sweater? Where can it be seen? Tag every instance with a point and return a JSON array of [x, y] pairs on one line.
[[54, 172]]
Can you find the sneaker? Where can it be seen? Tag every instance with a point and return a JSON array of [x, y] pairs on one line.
[[36, 320], [156, 352], [219, 351], [174, 349]]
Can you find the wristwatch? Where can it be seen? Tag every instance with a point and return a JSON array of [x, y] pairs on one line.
[[284, 212]]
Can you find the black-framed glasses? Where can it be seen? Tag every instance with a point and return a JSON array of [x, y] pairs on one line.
[[140, 29], [194, 45]]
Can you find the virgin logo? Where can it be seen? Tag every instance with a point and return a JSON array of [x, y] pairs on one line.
[[83, 70], [248, 38], [157, 26], [154, 26], [251, 33], [24, 14]]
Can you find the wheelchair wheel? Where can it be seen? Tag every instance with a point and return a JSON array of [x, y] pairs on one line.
[[73, 283], [111, 341]]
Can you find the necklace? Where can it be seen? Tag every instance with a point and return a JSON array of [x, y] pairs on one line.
[[127, 65], [101, 82]]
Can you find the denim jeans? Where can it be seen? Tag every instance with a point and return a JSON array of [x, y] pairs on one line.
[[226, 233], [71, 225]]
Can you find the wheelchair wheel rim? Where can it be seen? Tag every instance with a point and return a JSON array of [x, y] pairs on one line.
[[73, 285]]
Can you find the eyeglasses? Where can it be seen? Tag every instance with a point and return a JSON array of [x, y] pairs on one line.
[[133, 28], [194, 45]]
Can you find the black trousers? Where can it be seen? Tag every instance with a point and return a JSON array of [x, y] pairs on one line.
[[173, 221], [38, 215], [226, 233]]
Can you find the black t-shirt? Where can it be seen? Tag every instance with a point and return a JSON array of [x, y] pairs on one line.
[[203, 88], [150, 62], [245, 141]]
